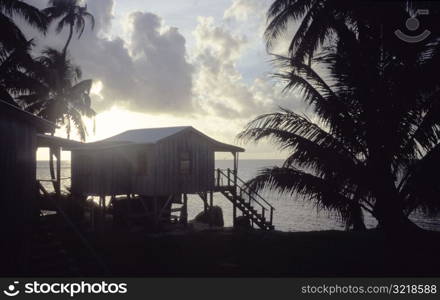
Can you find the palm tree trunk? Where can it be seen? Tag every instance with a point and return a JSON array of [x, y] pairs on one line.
[[68, 41], [388, 208]]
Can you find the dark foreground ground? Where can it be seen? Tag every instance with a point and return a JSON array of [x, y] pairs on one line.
[[273, 254], [57, 250]]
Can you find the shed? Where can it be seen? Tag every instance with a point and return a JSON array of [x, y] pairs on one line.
[[153, 168], [149, 162], [18, 145]]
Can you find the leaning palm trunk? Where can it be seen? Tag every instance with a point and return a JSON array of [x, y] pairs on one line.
[[68, 41], [52, 170], [389, 211]]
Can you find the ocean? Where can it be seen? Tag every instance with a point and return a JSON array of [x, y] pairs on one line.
[[291, 214]]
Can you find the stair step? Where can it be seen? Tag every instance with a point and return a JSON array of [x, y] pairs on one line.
[[248, 210]]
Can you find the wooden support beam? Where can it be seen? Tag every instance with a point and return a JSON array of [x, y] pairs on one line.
[[205, 202], [101, 213], [102, 203], [234, 209], [204, 197], [170, 198], [92, 215], [185, 210], [211, 204]]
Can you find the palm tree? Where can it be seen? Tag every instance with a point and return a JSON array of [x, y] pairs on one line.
[[71, 14], [319, 21], [12, 37], [17, 73], [65, 98], [377, 133]]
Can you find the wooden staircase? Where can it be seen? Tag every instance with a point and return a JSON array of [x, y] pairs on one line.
[[247, 200]]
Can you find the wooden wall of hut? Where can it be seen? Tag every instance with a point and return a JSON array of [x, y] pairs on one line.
[[183, 163], [18, 191], [109, 171], [172, 176]]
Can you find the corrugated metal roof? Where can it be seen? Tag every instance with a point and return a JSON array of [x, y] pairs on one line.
[[152, 136], [146, 135]]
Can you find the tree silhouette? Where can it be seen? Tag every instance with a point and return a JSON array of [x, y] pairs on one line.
[[64, 98], [320, 21], [17, 73], [72, 15], [377, 131], [12, 37]]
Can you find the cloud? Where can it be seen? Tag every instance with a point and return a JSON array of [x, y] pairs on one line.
[[219, 85], [146, 68], [150, 69], [162, 75], [147, 72], [242, 10]]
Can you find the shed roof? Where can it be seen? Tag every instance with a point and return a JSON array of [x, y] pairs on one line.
[[17, 113], [146, 135], [150, 136]]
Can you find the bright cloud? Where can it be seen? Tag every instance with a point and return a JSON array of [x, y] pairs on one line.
[[143, 65]]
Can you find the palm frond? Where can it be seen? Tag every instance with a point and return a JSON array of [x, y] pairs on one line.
[[281, 13], [29, 13], [323, 193]]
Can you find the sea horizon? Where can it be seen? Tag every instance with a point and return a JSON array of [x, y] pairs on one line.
[[291, 213]]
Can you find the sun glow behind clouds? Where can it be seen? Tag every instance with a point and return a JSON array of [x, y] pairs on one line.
[[118, 119]]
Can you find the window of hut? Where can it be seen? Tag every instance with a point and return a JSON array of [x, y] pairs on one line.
[[142, 163], [185, 163]]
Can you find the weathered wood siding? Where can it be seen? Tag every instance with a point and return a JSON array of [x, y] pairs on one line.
[[118, 170], [17, 185], [111, 171], [169, 180]]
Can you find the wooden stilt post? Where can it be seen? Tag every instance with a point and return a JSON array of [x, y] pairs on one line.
[[211, 204], [58, 171], [101, 212], [234, 211], [92, 215], [185, 210], [205, 202], [104, 206]]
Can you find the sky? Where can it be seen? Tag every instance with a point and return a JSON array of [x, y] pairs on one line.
[[160, 63]]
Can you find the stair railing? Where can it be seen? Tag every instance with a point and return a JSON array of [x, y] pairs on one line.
[[244, 188]]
